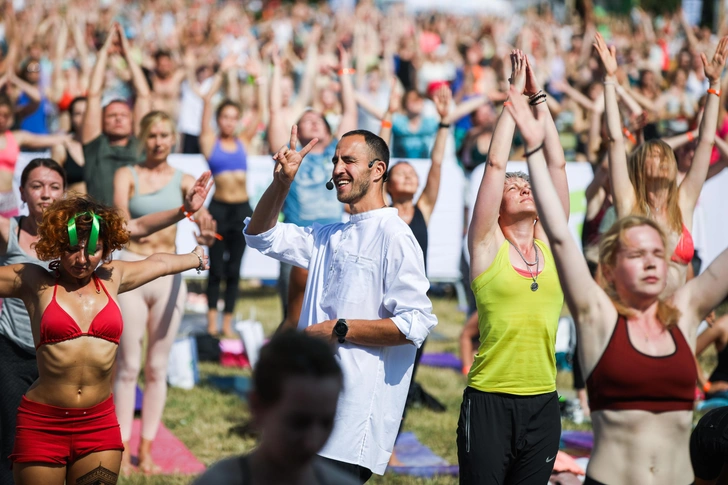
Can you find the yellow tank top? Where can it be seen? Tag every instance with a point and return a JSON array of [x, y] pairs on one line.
[[517, 327]]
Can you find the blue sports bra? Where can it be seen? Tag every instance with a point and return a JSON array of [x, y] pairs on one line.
[[222, 161]]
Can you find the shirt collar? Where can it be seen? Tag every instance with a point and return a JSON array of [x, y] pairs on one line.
[[384, 211]]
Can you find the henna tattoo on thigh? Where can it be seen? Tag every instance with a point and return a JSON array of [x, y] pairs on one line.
[[98, 476]]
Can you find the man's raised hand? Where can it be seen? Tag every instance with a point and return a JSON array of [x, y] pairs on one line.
[[288, 159]]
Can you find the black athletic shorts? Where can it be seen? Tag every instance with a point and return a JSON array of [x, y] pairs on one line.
[[709, 444], [507, 439]]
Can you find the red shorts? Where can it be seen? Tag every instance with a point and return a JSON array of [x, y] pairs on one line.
[[50, 434]]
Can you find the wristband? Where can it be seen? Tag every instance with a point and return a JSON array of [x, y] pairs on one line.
[[189, 215], [538, 99], [201, 266], [528, 154], [386, 124], [607, 83], [691, 137], [707, 386], [535, 94], [348, 70], [444, 125], [714, 91], [506, 103], [629, 135]]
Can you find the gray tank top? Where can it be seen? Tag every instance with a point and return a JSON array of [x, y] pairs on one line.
[[14, 319], [168, 197]]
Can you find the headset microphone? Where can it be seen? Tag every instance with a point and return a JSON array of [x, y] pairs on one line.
[[330, 184]]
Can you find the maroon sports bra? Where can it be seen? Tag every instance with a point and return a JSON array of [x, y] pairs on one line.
[[625, 378]]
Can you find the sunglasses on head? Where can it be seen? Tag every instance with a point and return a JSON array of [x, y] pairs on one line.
[[33, 68]]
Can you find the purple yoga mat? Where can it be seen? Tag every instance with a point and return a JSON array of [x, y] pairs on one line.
[[577, 443], [441, 360], [418, 460], [138, 399]]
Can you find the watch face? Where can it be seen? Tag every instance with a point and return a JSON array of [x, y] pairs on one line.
[[340, 329]]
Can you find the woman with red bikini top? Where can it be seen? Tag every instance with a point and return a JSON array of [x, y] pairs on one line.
[[646, 183], [66, 425]]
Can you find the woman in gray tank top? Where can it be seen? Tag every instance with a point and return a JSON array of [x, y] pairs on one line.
[[42, 182]]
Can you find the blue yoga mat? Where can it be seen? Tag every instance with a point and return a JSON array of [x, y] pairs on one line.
[[446, 360], [418, 460], [708, 404], [239, 385]]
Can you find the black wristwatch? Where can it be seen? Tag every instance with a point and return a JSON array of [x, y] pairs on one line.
[[340, 330]]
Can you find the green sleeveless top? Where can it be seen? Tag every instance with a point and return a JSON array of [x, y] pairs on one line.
[[517, 327]]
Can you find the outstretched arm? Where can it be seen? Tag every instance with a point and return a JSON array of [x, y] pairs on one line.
[[622, 189], [137, 273], [348, 102], [426, 202], [277, 124], [484, 235], [705, 292], [143, 95], [697, 173], [156, 221], [91, 128]]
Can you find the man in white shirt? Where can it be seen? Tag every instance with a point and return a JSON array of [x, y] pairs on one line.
[[366, 293]]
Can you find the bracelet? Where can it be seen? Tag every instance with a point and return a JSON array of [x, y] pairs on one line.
[[537, 99], [691, 137], [629, 135], [714, 91], [535, 94], [189, 215], [348, 70], [606, 83], [386, 124], [201, 266], [506, 103], [707, 386], [528, 154], [444, 125]]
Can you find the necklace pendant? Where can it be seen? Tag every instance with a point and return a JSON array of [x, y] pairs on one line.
[[534, 286]]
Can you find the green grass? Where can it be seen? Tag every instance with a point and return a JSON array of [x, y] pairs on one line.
[[209, 422]]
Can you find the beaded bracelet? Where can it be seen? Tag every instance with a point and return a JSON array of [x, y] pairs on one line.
[[201, 266]]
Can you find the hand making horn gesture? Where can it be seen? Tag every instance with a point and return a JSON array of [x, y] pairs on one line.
[[288, 159]]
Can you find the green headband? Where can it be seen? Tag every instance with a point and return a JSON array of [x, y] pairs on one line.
[[93, 237]]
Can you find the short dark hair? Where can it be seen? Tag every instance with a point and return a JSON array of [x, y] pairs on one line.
[[6, 101], [75, 101], [224, 104], [292, 354], [378, 149], [162, 53], [42, 162]]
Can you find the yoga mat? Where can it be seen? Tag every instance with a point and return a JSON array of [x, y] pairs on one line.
[[577, 443], [418, 460], [138, 400], [708, 404], [239, 385], [441, 360], [169, 453]]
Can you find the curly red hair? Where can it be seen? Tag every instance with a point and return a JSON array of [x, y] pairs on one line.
[[53, 230]]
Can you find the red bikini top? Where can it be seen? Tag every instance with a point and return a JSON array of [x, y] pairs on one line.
[[685, 249], [625, 378], [56, 325]]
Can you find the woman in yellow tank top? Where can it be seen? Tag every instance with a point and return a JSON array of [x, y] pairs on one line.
[[509, 426]]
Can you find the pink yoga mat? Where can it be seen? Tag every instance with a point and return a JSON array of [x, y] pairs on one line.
[[168, 452]]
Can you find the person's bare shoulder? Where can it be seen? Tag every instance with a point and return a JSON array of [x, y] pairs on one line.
[[224, 472], [332, 475]]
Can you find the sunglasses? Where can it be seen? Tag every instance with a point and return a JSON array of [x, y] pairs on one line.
[[33, 68]]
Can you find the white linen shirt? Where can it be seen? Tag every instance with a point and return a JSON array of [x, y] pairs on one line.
[[368, 268]]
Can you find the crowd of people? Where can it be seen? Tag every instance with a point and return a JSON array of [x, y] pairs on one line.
[[113, 89]]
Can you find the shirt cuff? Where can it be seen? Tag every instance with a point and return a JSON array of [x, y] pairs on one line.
[[261, 241], [415, 326]]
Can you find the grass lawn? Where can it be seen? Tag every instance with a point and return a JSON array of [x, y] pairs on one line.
[[211, 423]]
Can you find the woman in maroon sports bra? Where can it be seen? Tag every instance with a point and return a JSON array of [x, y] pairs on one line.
[[67, 430], [636, 348], [646, 183]]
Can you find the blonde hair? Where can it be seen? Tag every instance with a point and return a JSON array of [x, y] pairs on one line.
[[637, 175], [145, 127], [612, 241]]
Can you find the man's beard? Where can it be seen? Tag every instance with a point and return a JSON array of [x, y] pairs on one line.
[[358, 190]]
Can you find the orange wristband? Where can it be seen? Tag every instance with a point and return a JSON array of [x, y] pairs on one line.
[[386, 124], [348, 70], [707, 386], [691, 137], [629, 135], [189, 215], [714, 91], [506, 103]]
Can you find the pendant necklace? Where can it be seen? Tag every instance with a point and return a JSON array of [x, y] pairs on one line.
[[534, 285]]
